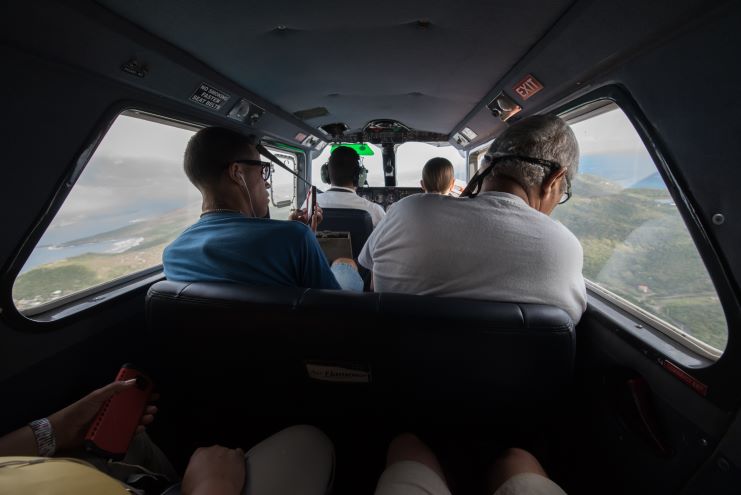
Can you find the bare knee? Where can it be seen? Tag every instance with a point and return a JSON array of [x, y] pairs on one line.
[[513, 462], [408, 447]]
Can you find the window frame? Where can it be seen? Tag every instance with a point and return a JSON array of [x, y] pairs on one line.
[[277, 150], [579, 108], [584, 114]]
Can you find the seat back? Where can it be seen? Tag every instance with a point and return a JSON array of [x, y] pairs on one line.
[[357, 222], [286, 348]]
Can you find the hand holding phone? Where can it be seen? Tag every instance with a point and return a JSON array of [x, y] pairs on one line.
[[117, 420], [310, 204]]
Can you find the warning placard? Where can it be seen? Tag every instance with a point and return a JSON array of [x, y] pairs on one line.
[[210, 97]]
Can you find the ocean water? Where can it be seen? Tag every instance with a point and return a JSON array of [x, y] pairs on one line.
[[48, 254]]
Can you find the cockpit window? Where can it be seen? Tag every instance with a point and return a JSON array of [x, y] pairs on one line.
[[637, 248], [411, 158], [373, 162]]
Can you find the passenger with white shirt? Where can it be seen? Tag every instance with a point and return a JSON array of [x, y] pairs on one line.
[[344, 177], [498, 243]]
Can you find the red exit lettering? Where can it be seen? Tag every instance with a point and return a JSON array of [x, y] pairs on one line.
[[527, 87]]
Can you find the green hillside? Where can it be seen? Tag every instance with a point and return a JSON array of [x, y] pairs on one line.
[[637, 246]]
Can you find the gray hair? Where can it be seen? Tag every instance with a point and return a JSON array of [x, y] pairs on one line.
[[542, 136]]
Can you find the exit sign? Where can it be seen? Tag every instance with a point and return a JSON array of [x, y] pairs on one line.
[[527, 87]]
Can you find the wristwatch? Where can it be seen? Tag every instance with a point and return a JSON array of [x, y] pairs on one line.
[[45, 438]]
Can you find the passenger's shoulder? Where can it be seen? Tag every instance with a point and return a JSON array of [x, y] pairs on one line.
[[565, 236], [288, 228]]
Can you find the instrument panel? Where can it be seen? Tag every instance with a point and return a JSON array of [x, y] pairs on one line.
[[386, 196]]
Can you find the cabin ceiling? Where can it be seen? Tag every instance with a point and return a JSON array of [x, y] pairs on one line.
[[361, 63]]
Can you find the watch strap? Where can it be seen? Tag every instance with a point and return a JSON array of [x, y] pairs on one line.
[[45, 438]]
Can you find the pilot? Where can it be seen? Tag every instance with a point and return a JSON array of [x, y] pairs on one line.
[[344, 172], [499, 243], [438, 176], [232, 241]]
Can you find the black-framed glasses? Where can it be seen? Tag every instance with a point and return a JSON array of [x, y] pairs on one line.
[[474, 187], [267, 167]]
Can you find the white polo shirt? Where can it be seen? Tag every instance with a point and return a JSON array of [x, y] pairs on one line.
[[345, 197], [493, 247]]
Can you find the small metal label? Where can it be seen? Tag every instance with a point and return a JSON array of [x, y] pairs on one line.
[[329, 373], [210, 97]]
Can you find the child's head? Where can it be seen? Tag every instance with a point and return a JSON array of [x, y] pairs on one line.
[[438, 176]]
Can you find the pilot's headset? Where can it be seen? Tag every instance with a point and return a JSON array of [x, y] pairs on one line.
[[360, 176]]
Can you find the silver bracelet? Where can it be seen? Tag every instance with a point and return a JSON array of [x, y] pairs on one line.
[[45, 438]]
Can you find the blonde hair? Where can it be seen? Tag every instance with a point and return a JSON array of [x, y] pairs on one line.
[[437, 175]]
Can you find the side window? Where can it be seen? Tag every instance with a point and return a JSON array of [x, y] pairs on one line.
[[282, 185], [132, 199], [636, 245]]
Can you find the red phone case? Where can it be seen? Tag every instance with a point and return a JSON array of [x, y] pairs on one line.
[[115, 424]]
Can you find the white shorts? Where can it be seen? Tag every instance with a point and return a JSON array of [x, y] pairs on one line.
[[414, 478]]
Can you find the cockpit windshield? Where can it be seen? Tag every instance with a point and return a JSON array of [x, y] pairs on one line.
[[410, 158], [371, 158]]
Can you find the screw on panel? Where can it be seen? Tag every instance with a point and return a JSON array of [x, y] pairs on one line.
[[719, 219], [723, 464], [703, 442]]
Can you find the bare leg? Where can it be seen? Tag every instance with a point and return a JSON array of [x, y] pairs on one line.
[[407, 447], [514, 461]]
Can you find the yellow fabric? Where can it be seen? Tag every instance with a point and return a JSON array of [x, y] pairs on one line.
[[54, 476]]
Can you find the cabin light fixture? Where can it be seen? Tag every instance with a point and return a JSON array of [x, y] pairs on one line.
[[246, 111], [503, 107], [135, 68], [468, 132], [460, 139], [311, 141], [335, 130]]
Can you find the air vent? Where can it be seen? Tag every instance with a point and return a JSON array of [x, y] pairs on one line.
[[311, 113]]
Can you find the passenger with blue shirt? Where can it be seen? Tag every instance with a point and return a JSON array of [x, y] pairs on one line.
[[232, 241]]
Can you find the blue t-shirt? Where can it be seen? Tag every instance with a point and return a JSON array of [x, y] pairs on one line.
[[229, 247]]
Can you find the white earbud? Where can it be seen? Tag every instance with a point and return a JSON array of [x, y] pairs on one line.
[[249, 197]]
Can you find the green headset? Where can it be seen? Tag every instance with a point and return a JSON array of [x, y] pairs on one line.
[[359, 177]]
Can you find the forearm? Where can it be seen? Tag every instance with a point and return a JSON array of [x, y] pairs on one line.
[[19, 443]]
